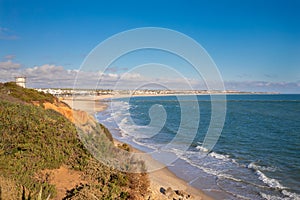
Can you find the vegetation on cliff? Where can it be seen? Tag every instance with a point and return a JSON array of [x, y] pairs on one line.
[[11, 89], [34, 139]]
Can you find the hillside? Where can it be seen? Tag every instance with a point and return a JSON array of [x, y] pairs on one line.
[[39, 148]]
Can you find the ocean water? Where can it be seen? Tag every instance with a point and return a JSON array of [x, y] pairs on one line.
[[257, 155]]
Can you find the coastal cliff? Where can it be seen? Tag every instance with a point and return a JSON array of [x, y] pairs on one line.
[[41, 155]]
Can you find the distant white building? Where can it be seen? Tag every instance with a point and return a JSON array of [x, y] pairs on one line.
[[21, 81]]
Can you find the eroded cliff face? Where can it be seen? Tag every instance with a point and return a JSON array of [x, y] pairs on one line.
[[75, 116], [82, 120], [62, 109]]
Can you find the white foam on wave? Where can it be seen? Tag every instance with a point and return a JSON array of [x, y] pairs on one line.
[[288, 196], [219, 156], [254, 166], [207, 170], [120, 113], [227, 176], [201, 155], [200, 148], [291, 195], [119, 107], [153, 147], [269, 181], [124, 120], [271, 197], [273, 183], [214, 154]]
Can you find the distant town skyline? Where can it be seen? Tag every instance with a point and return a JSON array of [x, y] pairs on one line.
[[255, 44]]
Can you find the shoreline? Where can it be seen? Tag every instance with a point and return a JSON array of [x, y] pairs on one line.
[[161, 179]]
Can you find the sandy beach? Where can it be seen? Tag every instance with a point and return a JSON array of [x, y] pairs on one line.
[[160, 180]]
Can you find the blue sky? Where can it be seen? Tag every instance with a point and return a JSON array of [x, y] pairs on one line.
[[255, 44]]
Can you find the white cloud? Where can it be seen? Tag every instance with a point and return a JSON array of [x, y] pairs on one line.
[[49, 76], [111, 75], [129, 76], [8, 70], [50, 70], [9, 65]]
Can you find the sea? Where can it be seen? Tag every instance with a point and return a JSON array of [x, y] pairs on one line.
[[256, 156]]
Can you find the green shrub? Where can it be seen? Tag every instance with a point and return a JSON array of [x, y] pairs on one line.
[[124, 146], [33, 139], [25, 94], [106, 132]]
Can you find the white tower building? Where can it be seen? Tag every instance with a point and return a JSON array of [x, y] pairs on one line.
[[21, 81]]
